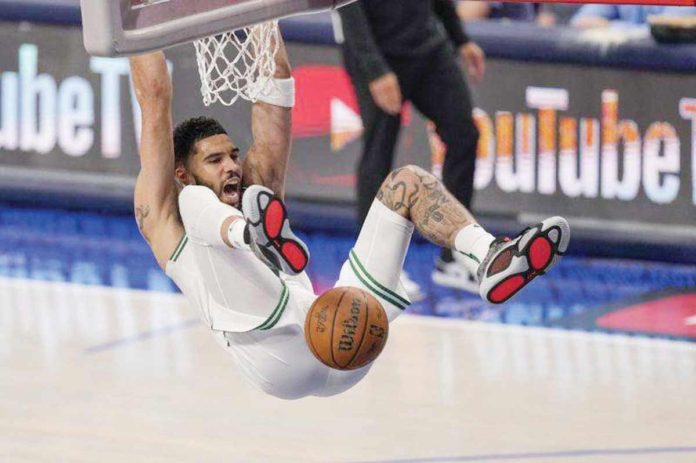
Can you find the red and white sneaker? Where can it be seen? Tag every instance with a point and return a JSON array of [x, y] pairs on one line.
[[272, 239], [512, 264]]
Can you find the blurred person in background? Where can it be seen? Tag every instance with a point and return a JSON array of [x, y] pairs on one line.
[[543, 14], [555, 14], [474, 10], [410, 50], [624, 16]]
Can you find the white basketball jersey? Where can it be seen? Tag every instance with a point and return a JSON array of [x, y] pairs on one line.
[[233, 290]]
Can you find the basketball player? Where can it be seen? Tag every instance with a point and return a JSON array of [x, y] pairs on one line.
[[244, 271]]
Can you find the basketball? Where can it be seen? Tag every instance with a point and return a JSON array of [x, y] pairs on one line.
[[346, 328]]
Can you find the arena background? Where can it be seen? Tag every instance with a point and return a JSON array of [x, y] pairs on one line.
[[102, 361], [603, 135]]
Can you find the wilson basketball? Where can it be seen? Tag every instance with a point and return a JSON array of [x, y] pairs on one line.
[[346, 328]]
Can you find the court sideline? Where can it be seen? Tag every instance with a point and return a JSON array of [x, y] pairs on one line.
[[104, 374]]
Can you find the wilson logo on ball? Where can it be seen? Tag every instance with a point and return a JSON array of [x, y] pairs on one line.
[[347, 338], [346, 328]]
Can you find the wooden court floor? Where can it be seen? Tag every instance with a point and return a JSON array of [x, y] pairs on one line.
[[92, 374]]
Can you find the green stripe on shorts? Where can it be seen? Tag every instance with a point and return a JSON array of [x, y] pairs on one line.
[[277, 312], [369, 281]]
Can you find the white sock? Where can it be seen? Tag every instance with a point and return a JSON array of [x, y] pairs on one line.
[[237, 234], [473, 242]]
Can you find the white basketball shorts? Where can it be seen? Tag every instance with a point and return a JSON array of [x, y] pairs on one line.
[[278, 360]]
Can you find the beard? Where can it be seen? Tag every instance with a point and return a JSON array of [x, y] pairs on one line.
[[201, 182], [219, 192]]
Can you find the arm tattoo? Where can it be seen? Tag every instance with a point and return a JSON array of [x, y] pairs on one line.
[[141, 213]]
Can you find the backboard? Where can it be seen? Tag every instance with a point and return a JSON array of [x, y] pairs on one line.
[[124, 27]]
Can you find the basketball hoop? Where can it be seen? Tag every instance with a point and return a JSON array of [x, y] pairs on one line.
[[237, 64]]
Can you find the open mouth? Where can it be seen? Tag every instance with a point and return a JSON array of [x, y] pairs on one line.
[[230, 191]]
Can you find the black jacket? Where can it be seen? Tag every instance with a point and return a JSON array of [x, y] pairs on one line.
[[376, 30]]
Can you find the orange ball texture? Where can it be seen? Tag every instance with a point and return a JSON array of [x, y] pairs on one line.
[[346, 328]]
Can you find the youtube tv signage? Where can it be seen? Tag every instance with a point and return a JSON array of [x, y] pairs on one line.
[[591, 142]]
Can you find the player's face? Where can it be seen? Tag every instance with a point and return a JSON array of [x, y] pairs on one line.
[[215, 164]]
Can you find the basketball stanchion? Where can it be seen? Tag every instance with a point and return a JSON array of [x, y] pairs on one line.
[[126, 27], [113, 28], [236, 40]]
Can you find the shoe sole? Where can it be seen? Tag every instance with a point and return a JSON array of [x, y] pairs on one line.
[[536, 255], [268, 220]]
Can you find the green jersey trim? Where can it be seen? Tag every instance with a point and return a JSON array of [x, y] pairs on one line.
[[179, 248], [277, 312]]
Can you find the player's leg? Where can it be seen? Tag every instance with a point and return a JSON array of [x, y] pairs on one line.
[[503, 266], [374, 264], [445, 99], [379, 138], [376, 260], [277, 361]]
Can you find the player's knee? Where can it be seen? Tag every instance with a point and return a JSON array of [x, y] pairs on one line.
[[471, 136], [461, 139], [414, 170], [403, 188], [407, 175], [404, 181]]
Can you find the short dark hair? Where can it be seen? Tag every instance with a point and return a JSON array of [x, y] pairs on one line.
[[189, 132]]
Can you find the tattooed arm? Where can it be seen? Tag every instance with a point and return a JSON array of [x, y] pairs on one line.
[[420, 197], [155, 189]]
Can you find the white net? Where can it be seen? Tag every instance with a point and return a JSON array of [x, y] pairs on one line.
[[237, 64]]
